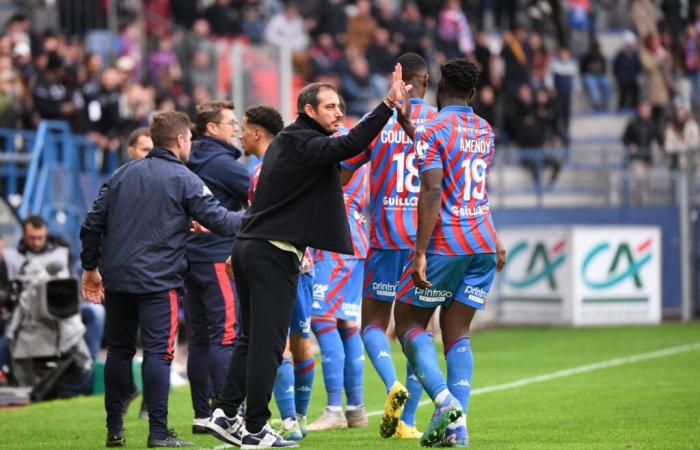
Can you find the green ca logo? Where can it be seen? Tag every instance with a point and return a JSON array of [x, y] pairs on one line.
[[542, 264], [617, 271]]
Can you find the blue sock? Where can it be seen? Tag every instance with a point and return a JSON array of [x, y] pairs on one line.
[[284, 389], [460, 364], [354, 365], [332, 358], [304, 372], [420, 351], [415, 390], [377, 346]]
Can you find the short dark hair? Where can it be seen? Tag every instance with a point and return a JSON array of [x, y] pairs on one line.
[[210, 112], [413, 66], [309, 95], [167, 126], [35, 221], [459, 77], [136, 134], [265, 117]]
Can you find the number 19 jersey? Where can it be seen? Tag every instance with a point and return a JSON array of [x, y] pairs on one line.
[[461, 145], [394, 181]]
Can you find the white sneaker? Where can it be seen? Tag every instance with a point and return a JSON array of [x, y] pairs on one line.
[[329, 420], [225, 429], [265, 438], [199, 425]]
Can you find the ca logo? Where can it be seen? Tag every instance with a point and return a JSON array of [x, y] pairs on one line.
[[618, 270], [542, 264]]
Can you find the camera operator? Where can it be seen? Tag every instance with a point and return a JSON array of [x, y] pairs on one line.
[[36, 243]]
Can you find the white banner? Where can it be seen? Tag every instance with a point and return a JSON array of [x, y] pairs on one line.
[[617, 275], [535, 285]]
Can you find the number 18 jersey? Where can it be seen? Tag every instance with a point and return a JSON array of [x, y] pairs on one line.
[[460, 144], [394, 181]]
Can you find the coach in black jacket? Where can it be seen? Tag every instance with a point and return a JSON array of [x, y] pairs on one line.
[[298, 203], [136, 232]]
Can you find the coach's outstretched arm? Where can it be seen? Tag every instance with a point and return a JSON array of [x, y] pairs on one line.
[[321, 150], [205, 208]]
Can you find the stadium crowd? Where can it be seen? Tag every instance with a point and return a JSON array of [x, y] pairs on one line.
[[169, 57]]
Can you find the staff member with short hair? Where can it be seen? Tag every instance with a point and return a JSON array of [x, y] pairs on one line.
[[136, 233], [298, 203]]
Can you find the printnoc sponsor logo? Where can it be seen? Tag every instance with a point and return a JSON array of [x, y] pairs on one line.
[[542, 264], [627, 261], [384, 289], [351, 309], [433, 295], [320, 291]]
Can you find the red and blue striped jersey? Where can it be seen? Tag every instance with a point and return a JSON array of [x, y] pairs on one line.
[[308, 263], [394, 182], [461, 145], [355, 193]]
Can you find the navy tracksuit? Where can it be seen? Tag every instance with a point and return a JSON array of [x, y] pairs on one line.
[[211, 307], [136, 232]]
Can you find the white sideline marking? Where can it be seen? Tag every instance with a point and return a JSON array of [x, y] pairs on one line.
[[573, 371], [560, 374]]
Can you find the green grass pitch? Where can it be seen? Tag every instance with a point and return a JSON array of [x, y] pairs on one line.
[[650, 403]]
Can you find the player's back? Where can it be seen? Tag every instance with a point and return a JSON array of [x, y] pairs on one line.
[[461, 145], [394, 182]]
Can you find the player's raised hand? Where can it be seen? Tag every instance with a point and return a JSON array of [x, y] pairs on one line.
[[418, 272], [93, 290], [500, 255], [397, 84]]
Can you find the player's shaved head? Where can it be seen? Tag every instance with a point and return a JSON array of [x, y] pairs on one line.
[[415, 72]]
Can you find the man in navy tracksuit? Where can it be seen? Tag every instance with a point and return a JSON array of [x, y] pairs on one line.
[[136, 233], [210, 306]]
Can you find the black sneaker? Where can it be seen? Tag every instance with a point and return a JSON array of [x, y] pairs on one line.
[[115, 439], [225, 429], [265, 438], [171, 441]]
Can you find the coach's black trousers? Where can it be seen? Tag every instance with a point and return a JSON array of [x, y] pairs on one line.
[[266, 279]]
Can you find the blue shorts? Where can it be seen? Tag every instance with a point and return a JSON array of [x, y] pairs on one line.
[[338, 288], [464, 278], [383, 268], [301, 315]]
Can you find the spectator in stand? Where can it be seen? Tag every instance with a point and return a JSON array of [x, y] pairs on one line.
[[361, 25], [627, 69], [515, 53], [644, 17], [381, 54], [539, 62], [454, 35], [564, 69], [287, 29], [691, 59], [325, 56], [486, 62], [11, 94], [656, 64], [253, 24], [223, 18], [331, 18], [682, 139], [360, 87], [129, 44], [200, 72], [594, 77], [485, 107], [547, 119], [671, 10], [52, 98], [104, 112], [160, 60], [641, 133], [411, 32]]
